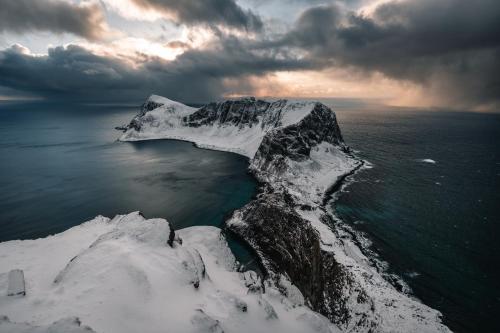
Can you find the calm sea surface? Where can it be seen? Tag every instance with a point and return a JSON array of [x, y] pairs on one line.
[[436, 224], [61, 166]]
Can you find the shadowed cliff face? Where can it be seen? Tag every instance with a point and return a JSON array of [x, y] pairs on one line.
[[145, 108], [295, 141], [288, 244], [242, 112]]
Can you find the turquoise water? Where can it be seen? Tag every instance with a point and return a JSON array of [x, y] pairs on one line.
[[437, 225], [62, 165]]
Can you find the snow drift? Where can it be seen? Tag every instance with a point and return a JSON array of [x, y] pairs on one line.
[[121, 275]]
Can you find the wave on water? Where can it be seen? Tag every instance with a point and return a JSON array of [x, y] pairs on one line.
[[412, 275], [427, 160]]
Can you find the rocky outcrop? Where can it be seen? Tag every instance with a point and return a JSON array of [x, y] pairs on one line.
[[289, 245], [294, 142], [149, 105], [243, 112]]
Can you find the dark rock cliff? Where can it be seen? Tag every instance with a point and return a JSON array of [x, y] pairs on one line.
[[295, 141], [285, 242], [241, 112], [145, 108], [288, 244]]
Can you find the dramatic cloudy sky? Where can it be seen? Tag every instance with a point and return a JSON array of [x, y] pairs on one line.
[[440, 53]]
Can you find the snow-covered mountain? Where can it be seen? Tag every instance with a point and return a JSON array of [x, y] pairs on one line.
[[129, 274], [238, 126], [297, 153]]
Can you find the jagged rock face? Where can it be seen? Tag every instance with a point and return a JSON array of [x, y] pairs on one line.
[[242, 112], [338, 286], [234, 125], [288, 244], [287, 241], [295, 141], [145, 108], [149, 106]]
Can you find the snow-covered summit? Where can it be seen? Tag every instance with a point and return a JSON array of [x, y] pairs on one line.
[[121, 275]]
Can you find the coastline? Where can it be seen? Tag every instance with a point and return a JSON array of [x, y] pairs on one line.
[[360, 239], [341, 182]]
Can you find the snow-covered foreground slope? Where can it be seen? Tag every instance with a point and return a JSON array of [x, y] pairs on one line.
[[297, 153], [122, 275]]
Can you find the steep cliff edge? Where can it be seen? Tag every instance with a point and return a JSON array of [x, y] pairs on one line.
[[297, 153]]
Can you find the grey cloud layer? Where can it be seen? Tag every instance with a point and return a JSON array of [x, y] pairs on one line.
[[451, 45], [210, 12], [51, 15], [76, 73]]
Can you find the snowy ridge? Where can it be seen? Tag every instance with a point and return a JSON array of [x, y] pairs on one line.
[[297, 153], [170, 120], [121, 275]]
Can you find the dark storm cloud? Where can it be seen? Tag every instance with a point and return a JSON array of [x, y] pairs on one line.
[[209, 12], [76, 73], [451, 47], [450, 44], [51, 15]]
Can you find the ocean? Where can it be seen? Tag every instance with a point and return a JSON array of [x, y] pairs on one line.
[[428, 204], [61, 165]]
